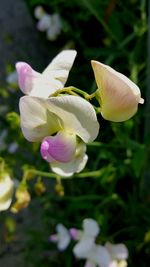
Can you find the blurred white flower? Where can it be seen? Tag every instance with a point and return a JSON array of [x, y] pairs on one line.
[[51, 24], [55, 27], [62, 237], [6, 191], [12, 78], [118, 254], [86, 237], [97, 255], [12, 147]]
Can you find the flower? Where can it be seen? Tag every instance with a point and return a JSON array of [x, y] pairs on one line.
[[86, 237], [118, 253], [50, 23], [55, 27], [63, 125], [118, 96], [53, 77], [6, 191], [62, 237], [97, 255]]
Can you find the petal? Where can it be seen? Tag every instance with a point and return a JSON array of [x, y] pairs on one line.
[[118, 251], [39, 12], [83, 247], [64, 237], [55, 75], [26, 77], [101, 256], [77, 114], [89, 264], [44, 23], [60, 147], [75, 166], [118, 96], [36, 121], [91, 227], [6, 192]]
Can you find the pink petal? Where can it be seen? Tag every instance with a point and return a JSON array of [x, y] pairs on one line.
[[26, 76], [60, 147]]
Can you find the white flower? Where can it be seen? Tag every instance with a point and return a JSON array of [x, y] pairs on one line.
[[6, 191], [86, 237], [12, 78], [118, 96], [63, 124], [55, 28], [39, 12], [118, 253], [62, 237], [97, 255], [53, 77], [44, 23]]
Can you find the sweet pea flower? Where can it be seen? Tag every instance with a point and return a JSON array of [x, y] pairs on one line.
[[118, 96], [62, 237], [6, 191], [53, 77], [118, 253], [96, 256], [63, 125], [50, 23], [86, 237]]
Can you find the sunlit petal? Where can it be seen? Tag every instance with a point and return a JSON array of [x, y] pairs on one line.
[[36, 121], [118, 96], [77, 114]]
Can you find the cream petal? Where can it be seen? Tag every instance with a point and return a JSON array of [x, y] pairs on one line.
[[36, 121], [91, 227], [6, 192], [39, 12], [117, 251], [55, 75], [60, 147], [77, 114], [118, 95]]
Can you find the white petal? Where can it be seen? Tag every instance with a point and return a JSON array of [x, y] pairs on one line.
[[77, 114], [36, 121], [75, 166], [83, 247], [91, 227], [118, 251], [6, 192], [55, 75], [63, 236]]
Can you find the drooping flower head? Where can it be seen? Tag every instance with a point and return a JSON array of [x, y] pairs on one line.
[[62, 237], [63, 124], [6, 191], [118, 96]]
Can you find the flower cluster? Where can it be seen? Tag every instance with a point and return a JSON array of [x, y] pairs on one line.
[[65, 123], [96, 255], [51, 24]]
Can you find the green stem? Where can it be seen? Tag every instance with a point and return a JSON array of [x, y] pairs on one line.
[[55, 176], [74, 91]]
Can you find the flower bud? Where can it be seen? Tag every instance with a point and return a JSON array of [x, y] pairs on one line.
[[23, 198], [118, 96]]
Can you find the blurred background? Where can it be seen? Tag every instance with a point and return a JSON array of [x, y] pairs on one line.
[[114, 32]]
